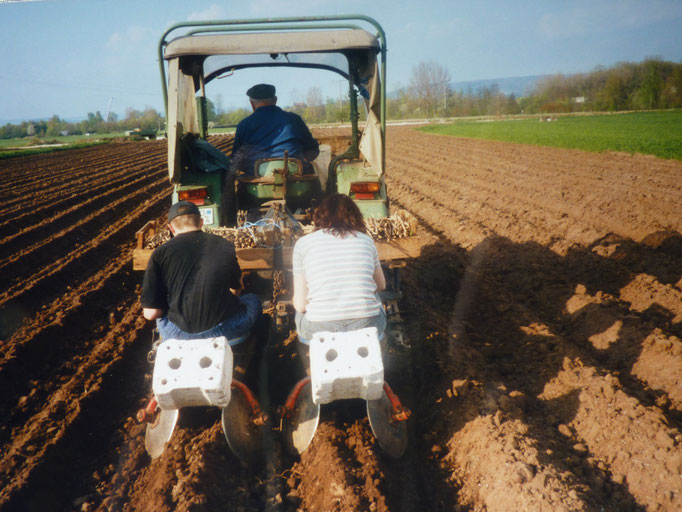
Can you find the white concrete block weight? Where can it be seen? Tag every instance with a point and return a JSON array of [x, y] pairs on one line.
[[193, 372], [346, 365]]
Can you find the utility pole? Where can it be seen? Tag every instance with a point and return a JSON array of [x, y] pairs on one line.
[[444, 83]]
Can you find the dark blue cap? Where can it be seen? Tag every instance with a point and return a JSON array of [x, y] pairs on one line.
[[261, 92], [182, 208]]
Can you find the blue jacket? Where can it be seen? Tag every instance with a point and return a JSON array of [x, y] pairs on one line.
[[267, 133]]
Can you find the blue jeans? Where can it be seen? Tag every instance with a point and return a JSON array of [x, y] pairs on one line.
[[236, 328], [307, 329]]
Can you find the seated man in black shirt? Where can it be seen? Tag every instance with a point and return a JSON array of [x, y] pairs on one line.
[[188, 281]]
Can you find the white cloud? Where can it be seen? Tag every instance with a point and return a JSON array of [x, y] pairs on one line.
[[215, 12], [128, 40], [114, 40]]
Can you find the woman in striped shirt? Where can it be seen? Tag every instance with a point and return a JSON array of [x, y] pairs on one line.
[[337, 273]]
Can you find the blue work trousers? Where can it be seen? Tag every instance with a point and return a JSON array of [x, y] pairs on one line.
[[307, 329], [236, 328]]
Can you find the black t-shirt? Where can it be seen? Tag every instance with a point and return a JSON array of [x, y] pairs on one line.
[[190, 277]]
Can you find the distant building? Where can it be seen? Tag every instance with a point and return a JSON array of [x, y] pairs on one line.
[[578, 99], [64, 133]]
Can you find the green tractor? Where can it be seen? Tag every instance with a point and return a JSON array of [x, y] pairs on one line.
[[210, 50], [278, 194]]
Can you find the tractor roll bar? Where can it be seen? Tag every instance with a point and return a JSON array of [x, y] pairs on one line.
[[290, 23]]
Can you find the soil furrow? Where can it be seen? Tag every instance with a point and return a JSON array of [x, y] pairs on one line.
[[560, 193], [562, 219], [49, 347], [486, 443], [622, 170], [38, 165], [74, 190], [613, 436], [53, 340], [34, 441], [105, 222], [534, 176], [62, 203], [71, 218], [60, 177], [490, 209], [544, 318], [519, 364], [72, 183]]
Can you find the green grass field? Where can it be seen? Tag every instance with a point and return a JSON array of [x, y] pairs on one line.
[[653, 133]]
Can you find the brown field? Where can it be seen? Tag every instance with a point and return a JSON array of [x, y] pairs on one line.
[[544, 320]]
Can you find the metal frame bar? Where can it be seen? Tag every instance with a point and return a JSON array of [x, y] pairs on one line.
[[269, 27], [303, 65]]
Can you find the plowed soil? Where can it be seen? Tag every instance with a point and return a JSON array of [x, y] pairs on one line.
[[543, 318]]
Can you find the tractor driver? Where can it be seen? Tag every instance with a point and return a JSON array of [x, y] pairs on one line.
[[269, 131], [188, 284]]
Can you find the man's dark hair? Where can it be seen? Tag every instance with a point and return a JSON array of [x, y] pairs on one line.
[[191, 220], [339, 215]]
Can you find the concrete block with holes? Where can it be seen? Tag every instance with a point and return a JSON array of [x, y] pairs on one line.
[[346, 365], [193, 372]]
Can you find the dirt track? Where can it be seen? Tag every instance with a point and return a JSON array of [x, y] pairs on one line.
[[544, 321]]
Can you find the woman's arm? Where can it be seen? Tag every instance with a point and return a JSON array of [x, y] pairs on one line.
[[300, 298], [152, 313], [379, 278]]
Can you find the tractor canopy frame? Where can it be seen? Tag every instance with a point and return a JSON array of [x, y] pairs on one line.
[[212, 49]]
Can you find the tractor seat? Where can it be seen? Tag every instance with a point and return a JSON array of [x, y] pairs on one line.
[[265, 167]]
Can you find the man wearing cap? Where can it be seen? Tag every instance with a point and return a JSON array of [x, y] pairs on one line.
[[188, 282], [269, 131]]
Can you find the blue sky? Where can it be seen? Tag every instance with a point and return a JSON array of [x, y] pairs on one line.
[[71, 57]]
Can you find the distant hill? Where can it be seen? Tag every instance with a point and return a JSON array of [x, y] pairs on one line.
[[517, 85]]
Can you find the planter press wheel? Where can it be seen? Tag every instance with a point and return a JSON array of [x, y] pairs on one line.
[[245, 438], [160, 431], [391, 435], [300, 426]]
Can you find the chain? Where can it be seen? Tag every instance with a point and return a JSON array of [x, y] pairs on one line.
[[277, 285]]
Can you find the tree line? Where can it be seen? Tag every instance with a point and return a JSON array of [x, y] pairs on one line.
[[95, 123], [647, 85], [313, 109]]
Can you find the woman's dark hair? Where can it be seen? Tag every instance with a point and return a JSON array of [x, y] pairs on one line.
[[339, 215]]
